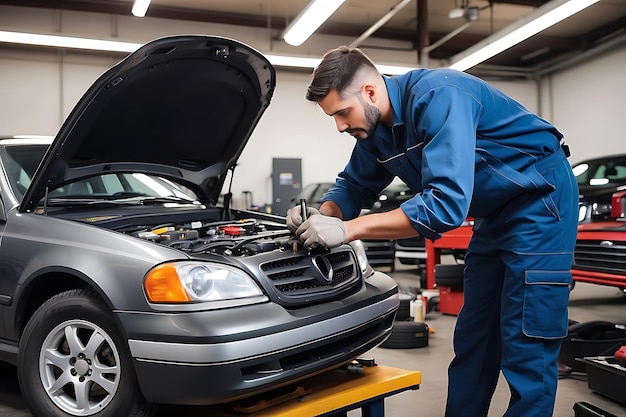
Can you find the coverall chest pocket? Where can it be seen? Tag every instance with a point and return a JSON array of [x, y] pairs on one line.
[[406, 165], [496, 183]]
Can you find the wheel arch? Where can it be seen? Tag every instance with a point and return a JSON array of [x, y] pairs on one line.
[[45, 285]]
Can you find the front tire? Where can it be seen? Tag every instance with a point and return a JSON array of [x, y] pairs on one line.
[[73, 361]]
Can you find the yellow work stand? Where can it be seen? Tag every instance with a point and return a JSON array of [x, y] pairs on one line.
[[334, 393]]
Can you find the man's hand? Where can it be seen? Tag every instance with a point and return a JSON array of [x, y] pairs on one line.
[[322, 230], [294, 217]]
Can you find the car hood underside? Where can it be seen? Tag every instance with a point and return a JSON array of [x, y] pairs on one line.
[[181, 107]]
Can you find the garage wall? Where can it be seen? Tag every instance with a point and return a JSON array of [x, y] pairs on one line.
[[589, 105], [40, 87]]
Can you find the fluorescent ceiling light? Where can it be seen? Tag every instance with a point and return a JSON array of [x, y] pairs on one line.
[[529, 25], [309, 20], [32, 137], [140, 7], [301, 62], [127, 47], [293, 61], [393, 69], [67, 42]]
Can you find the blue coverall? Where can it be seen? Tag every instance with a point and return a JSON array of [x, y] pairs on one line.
[[468, 149]]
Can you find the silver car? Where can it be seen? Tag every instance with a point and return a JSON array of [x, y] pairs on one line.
[[126, 280]]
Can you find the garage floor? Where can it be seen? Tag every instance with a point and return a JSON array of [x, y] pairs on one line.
[[588, 302]]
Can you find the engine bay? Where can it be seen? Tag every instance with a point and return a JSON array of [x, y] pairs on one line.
[[231, 238]]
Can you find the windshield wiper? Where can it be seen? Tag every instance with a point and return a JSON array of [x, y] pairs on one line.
[[61, 201], [168, 199], [107, 201]]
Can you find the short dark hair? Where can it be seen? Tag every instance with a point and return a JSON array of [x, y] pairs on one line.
[[336, 70]]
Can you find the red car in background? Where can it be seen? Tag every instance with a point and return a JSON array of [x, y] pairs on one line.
[[600, 254]]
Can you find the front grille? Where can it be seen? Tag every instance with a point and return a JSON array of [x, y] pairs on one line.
[[601, 256], [379, 252], [414, 242], [306, 275]]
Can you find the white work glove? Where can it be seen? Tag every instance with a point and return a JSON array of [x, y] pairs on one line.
[[327, 231], [294, 219]]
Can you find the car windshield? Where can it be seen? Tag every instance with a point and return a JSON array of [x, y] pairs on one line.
[[610, 170], [21, 161], [122, 188]]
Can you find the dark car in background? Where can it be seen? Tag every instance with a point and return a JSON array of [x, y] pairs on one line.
[[123, 284], [598, 179], [313, 193], [410, 251]]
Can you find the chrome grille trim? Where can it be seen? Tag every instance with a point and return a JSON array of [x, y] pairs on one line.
[[607, 256], [297, 275]]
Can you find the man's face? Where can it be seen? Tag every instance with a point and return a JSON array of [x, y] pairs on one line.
[[353, 114]]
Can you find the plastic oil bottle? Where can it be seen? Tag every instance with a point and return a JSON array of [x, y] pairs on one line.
[[417, 309]]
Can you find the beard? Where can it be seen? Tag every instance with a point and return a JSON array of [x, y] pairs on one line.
[[372, 117]]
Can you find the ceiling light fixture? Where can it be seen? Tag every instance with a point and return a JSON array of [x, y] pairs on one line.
[[67, 42], [542, 18], [302, 62], [311, 18], [140, 7], [128, 47], [293, 61]]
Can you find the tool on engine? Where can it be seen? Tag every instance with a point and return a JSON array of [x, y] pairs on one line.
[[303, 213]]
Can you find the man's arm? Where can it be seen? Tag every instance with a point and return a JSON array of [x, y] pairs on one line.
[[330, 208], [393, 224], [330, 231]]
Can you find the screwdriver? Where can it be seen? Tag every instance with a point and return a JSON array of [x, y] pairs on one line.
[[303, 215], [303, 209]]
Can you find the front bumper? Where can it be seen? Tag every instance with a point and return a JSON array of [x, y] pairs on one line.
[[599, 278], [219, 356]]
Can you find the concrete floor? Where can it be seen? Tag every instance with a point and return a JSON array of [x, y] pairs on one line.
[[587, 302]]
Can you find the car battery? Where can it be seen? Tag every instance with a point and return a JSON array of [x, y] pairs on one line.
[[177, 235]]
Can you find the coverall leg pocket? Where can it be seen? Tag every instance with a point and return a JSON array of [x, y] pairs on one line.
[[546, 293]]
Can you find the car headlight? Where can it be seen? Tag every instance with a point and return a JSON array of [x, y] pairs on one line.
[[361, 258], [582, 212], [188, 282]]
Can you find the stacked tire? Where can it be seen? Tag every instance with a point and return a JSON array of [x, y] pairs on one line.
[[406, 333]]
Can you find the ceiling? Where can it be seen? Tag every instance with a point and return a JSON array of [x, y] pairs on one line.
[[414, 26]]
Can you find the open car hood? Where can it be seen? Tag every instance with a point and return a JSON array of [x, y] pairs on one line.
[[181, 107]]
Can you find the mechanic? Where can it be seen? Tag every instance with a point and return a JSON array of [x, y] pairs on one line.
[[467, 150]]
